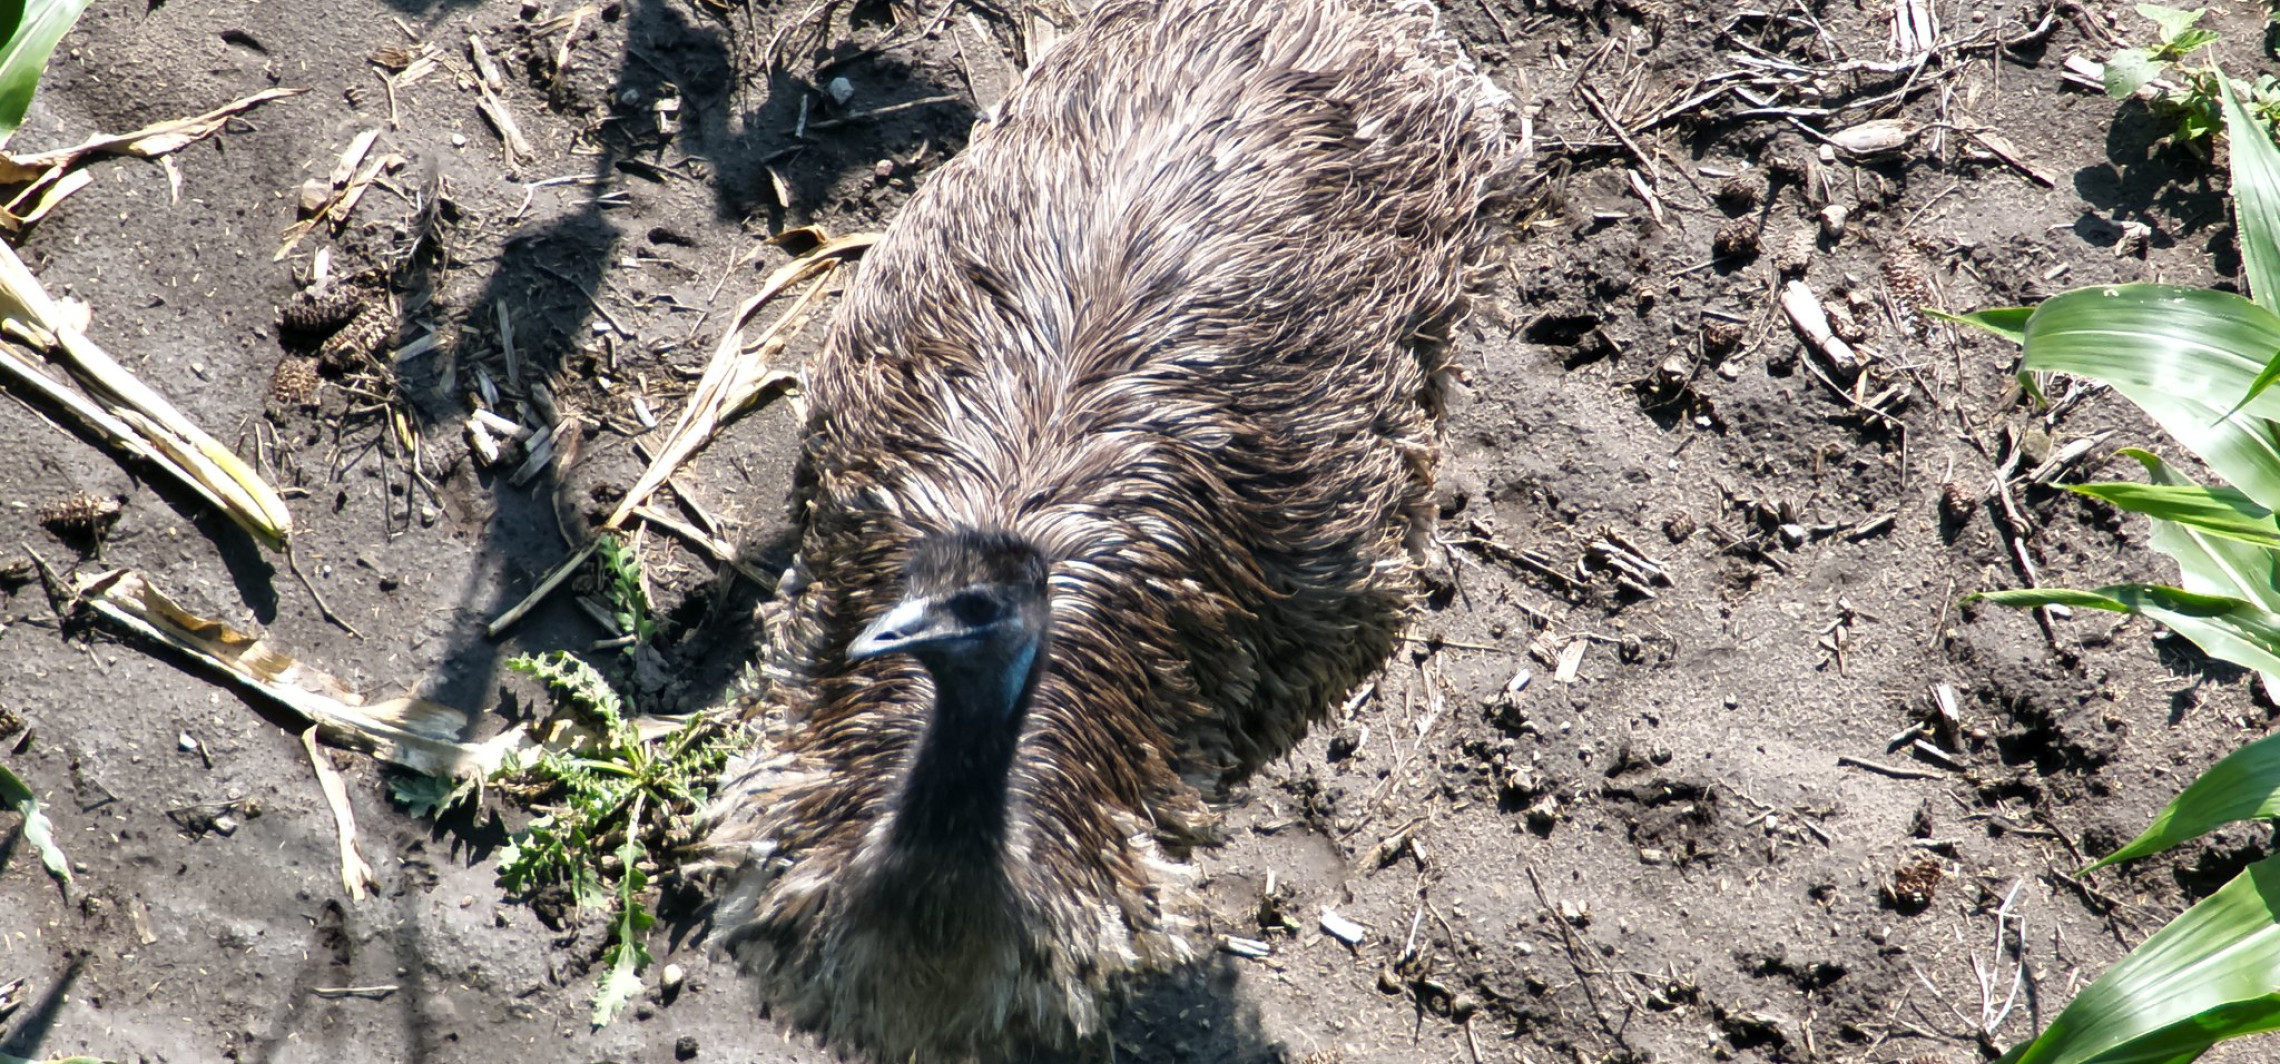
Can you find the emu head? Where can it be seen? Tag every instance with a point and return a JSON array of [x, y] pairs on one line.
[[973, 613]]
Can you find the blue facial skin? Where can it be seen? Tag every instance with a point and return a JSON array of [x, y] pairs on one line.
[[1016, 676]]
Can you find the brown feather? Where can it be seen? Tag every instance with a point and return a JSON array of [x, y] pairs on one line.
[[1171, 318]]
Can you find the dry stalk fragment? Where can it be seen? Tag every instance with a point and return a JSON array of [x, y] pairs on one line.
[[412, 732], [118, 405], [737, 376], [1812, 322]]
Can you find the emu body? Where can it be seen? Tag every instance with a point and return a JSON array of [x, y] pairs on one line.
[[1120, 448]]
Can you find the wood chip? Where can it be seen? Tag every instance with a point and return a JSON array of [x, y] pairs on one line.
[[1342, 929], [1570, 660], [1245, 947], [1915, 28], [486, 69], [1812, 322], [138, 914], [511, 136], [352, 158]]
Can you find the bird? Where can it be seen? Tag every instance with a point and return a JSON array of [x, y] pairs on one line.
[[1117, 474]]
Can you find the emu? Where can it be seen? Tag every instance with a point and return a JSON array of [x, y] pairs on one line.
[[1118, 465]]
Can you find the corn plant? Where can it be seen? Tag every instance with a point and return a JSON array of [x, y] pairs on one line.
[[17, 797], [31, 38], [2201, 364]]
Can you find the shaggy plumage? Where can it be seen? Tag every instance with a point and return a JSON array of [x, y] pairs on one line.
[[1162, 339]]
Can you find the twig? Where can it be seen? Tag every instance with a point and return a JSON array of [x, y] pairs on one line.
[[293, 562], [1575, 957], [1599, 108], [545, 587], [864, 116], [376, 993], [1895, 771], [355, 874], [711, 545], [2015, 529]]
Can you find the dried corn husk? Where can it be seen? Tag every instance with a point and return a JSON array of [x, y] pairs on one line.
[[413, 732], [118, 405]]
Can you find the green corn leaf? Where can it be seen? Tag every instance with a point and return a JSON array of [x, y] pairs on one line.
[[2256, 388], [2035, 597], [2213, 565], [2010, 323], [38, 830], [2212, 974], [2256, 197], [2184, 355], [2228, 628], [2220, 512], [31, 39], [2243, 786]]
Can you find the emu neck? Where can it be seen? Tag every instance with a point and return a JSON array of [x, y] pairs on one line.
[[953, 804]]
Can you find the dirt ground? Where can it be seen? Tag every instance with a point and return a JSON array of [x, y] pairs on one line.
[[1674, 853]]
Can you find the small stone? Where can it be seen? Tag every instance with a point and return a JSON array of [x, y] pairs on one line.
[[315, 193], [1675, 370], [1833, 221], [685, 1047], [840, 90]]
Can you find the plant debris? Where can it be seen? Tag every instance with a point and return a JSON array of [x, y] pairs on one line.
[[412, 732]]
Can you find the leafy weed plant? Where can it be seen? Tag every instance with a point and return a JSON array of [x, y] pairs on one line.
[[607, 785], [2191, 96]]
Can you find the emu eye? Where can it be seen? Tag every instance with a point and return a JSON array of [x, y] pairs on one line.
[[975, 609]]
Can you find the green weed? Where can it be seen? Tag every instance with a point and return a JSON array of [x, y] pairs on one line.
[[2190, 96], [606, 785]]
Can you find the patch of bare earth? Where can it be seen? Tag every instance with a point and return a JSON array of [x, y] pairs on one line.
[[1664, 773]]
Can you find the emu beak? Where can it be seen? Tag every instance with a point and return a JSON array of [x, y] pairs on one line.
[[912, 623]]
